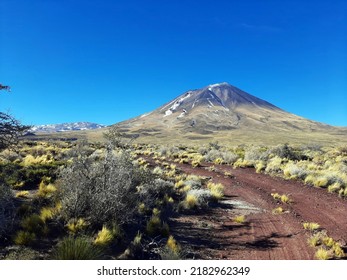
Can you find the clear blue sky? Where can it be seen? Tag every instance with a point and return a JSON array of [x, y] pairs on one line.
[[106, 61]]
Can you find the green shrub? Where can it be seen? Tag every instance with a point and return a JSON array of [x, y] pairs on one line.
[[24, 238], [285, 151], [34, 224], [78, 248], [153, 226]]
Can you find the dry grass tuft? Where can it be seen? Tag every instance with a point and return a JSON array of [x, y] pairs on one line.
[[241, 219], [322, 254], [311, 226]]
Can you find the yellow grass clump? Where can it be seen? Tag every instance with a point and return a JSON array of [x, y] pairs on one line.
[[278, 210], [311, 226], [104, 237], [191, 201], [241, 219], [172, 245], [179, 184], [274, 165], [260, 166], [276, 196], [23, 194], [338, 251], [46, 190], [283, 198], [217, 190], [47, 213], [76, 225], [31, 160], [321, 182], [328, 241], [322, 254], [314, 240]]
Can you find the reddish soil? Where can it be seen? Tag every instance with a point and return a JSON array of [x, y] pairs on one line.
[[212, 234]]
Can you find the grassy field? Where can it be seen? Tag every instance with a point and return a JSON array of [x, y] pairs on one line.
[[334, 138]]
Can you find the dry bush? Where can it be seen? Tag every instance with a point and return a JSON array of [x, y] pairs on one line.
[[274, 165], [103, 191], [285, 151], [197, 198], [293, 171], [154, 190], [221, 156], [256, 154]]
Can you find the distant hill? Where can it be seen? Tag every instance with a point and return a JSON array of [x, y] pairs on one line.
[[76, 126]]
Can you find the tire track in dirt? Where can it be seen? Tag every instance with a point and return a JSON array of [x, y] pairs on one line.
[[214, 235]]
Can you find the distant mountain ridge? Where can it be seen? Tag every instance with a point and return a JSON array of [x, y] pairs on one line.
[[74, 126]]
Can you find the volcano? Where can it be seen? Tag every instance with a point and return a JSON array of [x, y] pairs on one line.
[[222, 111]]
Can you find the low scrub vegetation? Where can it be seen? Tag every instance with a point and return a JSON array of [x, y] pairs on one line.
[[90, 198], [326, 246], [316, 166], [115, 200]]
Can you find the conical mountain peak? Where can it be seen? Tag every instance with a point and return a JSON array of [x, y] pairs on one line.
[[222, 96], [218, 109]]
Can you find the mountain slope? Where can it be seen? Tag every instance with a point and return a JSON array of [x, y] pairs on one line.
[[222, 111]]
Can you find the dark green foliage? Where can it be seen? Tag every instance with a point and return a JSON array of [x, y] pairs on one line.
[[78, 248], [286, 151], [32, 175], [34, 224], [7, 209]]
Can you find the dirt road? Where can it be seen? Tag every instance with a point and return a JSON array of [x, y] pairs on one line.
[[214, 235]]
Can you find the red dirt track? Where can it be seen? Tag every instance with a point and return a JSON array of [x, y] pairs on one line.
[[214, 235]]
